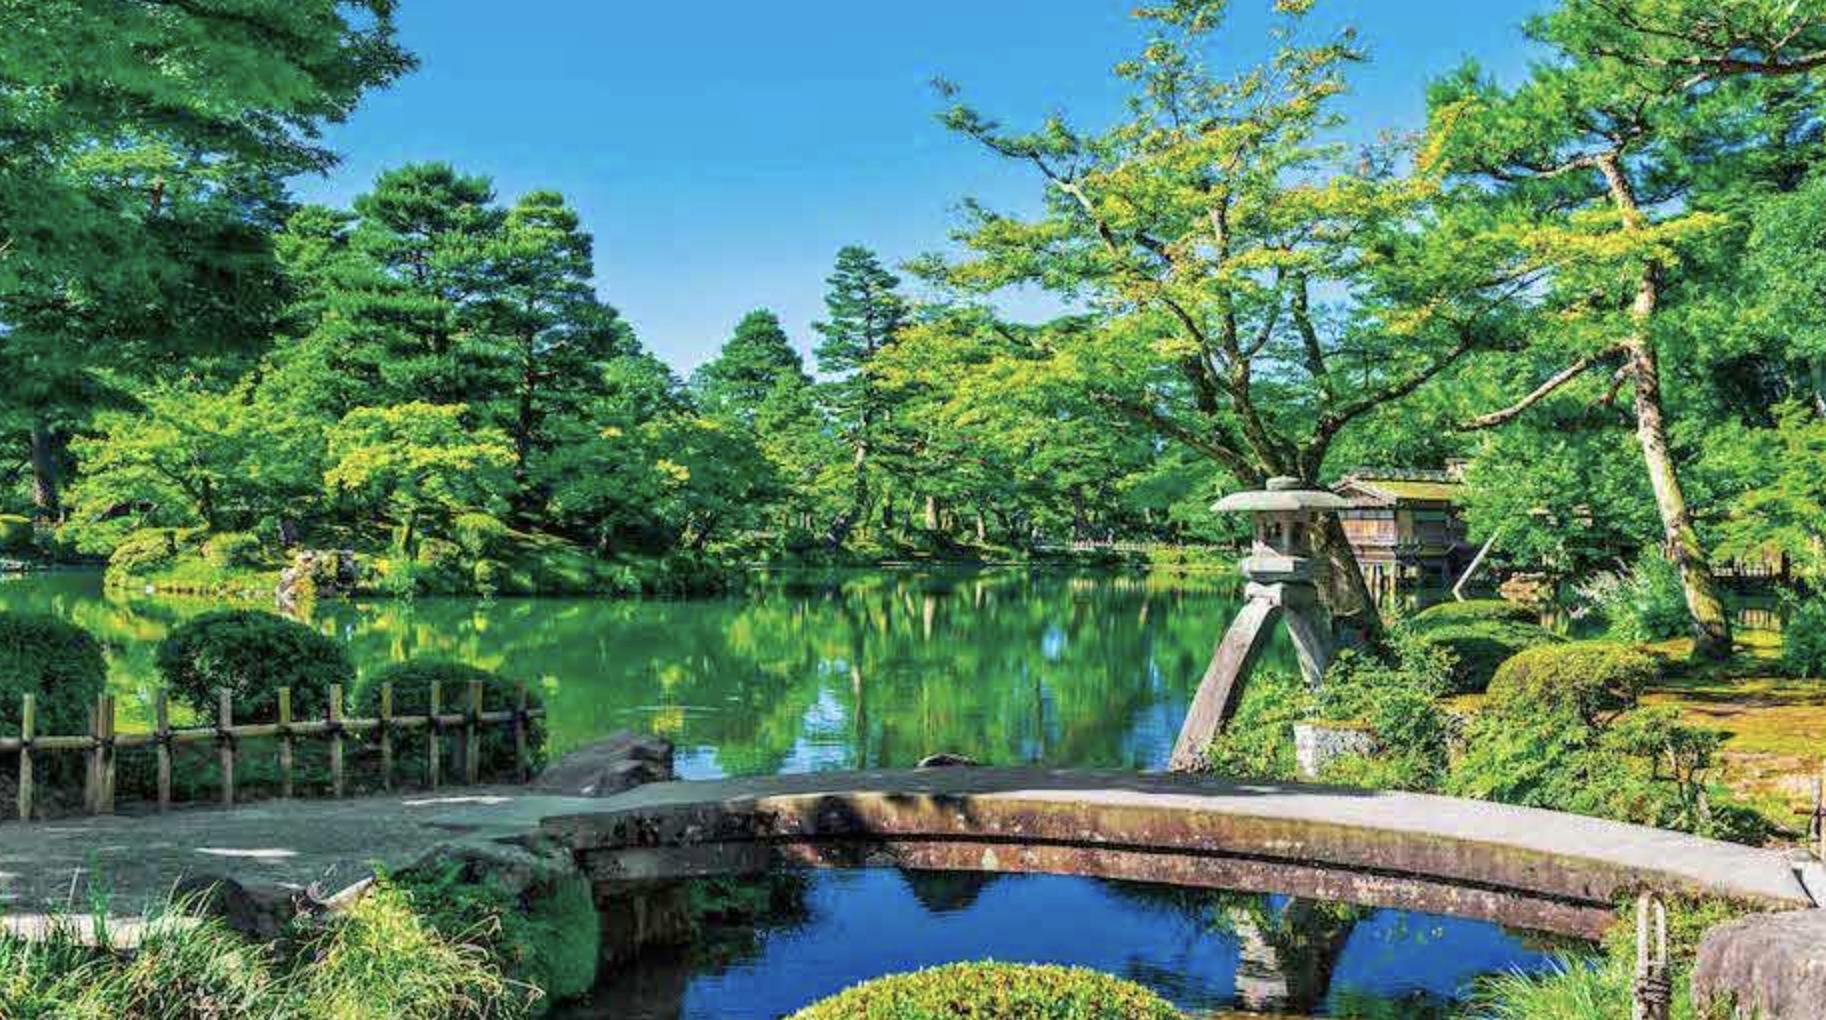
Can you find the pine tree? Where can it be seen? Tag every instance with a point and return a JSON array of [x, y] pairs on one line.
[[866, 314], [757, 357]]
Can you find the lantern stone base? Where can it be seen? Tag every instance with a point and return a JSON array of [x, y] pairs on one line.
[[1295, 603], [1318, 744]]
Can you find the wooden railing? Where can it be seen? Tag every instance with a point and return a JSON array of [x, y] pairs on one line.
[[101, 744]]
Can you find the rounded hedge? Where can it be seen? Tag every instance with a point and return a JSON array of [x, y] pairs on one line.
[[412, 681], [253, 654], [59, 663], [16, 533], [995, 991], [1475, 611], [1479, 648], [1592, 679]]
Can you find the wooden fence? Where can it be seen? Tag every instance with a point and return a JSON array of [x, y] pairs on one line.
[[100, 744]]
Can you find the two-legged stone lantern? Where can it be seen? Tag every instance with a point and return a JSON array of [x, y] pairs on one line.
[[1281, 576]]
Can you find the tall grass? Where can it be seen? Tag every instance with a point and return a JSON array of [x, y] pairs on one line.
[[1573, 989], [378, 961]]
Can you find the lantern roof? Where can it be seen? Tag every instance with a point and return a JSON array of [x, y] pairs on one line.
[[1282, 495]]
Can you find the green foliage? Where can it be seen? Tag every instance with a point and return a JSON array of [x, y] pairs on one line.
[[1562, 729], [1804, 639], [991, 991], [234, 549], [16, 533], [146, 550], [57, 662], [1396, 697], [1782, 511], [416, 464], [1479, 647], [1644, 603], [548, 938], [252, 655], [1258, 742]]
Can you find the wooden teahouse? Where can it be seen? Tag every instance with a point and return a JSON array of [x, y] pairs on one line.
[[1405, 527]]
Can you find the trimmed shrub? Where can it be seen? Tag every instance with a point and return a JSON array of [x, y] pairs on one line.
[[233, 549], [1479, 648], [994, 991], [412, 696], [1591, 680], [16, 533], [253, 654], [1804, 640], [1475, 611], [57, 662]]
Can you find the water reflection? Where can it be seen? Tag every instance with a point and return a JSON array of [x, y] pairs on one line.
[[1205, 951], [805, 671], [810, 671]]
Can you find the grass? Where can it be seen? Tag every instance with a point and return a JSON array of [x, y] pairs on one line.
[[378, 961]]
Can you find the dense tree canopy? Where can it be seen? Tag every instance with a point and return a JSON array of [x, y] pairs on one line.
[[1598, 285]]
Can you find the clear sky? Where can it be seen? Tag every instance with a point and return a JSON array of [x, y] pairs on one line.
[[722, 151]]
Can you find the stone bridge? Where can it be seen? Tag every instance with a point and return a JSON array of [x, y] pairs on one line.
[[1517, 866]]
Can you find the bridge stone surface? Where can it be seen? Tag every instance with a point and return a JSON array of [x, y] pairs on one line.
[[1519, 866]]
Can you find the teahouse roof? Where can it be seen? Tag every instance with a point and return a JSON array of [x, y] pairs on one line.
[[1393, 487]]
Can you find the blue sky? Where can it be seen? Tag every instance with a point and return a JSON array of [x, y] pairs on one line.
[[722, 151]]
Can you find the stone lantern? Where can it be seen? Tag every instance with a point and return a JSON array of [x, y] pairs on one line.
[[1281, 573]]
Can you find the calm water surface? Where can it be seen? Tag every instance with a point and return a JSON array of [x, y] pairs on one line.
[[808, 671]]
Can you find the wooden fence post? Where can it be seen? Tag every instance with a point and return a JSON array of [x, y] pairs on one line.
[[225, 738], [28, 720], [161, 737], [472, 736], [336, 739], [91, 773], [104, 713], [520, 763], [285, 742], [431, 735], [386, 736]]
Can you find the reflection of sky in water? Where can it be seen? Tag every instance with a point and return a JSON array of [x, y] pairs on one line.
[[868, 923]]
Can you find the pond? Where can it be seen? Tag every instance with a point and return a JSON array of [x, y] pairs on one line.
[[814, 670]]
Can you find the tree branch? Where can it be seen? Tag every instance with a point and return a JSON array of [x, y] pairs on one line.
[[1541, 392]]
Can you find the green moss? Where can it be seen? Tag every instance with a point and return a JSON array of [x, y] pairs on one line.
[[1475, 611], [993, 991]]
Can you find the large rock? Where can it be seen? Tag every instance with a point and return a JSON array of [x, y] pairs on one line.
[[260, 911], [318, 574], [612, 766], [1769, 967]]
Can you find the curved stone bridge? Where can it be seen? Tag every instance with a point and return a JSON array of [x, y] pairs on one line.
[[1518, 866]]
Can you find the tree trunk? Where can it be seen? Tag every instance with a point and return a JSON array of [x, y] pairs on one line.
[[45, 495], [932, 522], [840, 529], [1355, 620], [1711, 626]]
